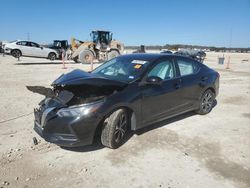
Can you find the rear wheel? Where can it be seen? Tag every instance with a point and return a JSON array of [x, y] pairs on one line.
[[16, 53], [52, 56], [86, 56], [206, 102], [112, 54], [115, 129]]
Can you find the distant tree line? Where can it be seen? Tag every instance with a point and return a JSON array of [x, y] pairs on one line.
[[177, 46]]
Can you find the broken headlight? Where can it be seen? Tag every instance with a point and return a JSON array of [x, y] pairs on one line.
[[79, 110]]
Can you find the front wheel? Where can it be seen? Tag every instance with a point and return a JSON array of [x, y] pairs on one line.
[[86, 56], [206, 102], [115, 129], [52, 56]]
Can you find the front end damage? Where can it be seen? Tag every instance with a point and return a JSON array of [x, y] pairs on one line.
[[70, 112]]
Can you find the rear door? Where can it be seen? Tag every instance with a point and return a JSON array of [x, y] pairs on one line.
[[23, 46], [188, 71], [160, 101]]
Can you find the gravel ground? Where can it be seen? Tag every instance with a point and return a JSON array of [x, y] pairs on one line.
[[186, 151]]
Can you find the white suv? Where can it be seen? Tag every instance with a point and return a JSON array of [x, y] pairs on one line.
[[27, 48]]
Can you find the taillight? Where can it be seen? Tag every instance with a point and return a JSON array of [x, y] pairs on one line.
[[218, 75]]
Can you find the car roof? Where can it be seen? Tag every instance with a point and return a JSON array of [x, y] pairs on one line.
[[25, 41], [151, 57]]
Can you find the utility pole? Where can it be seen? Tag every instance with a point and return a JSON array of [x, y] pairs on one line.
[[230, 39], [28, 36]]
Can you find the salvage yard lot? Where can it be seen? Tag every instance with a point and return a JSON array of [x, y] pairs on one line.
[[187, 151]]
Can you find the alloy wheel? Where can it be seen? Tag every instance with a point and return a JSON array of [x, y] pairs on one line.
[[52, 57], [120, 128], [207, 102], [16, 54]]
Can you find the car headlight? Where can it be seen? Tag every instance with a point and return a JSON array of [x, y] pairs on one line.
[[79, 110]]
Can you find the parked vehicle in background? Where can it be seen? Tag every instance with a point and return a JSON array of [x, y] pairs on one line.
[[27, 48], [126, 93], [140, 50], [1, 47], [198, 55], [102, 47], [61, 46], [166, 52]]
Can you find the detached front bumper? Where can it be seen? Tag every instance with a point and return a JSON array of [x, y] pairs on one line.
[[69, 132]]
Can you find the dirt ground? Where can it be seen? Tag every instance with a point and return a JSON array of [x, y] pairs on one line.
[[187, 151]]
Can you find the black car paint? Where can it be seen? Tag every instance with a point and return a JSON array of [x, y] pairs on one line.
[[79, 77], [149, 103]]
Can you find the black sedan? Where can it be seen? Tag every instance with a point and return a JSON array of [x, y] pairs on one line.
[[126, 93]]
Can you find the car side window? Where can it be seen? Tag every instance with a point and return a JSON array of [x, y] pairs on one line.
[[163, 70], [187, 67], [21, 43], [32, 44]]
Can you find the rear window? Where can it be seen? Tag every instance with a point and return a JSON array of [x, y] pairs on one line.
[[187, 66]]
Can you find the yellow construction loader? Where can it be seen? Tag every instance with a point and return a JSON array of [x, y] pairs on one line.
[[101, 48]]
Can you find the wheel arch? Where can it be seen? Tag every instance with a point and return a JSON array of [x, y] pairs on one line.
[[131, 114], [212, 89], [16, 49], [51, 52], [207, 88]]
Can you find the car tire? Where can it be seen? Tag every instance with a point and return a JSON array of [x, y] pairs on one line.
[[115, 129], [16, 53], [75, 59], [86, 56], [112, 54], [206, 102], [52, 56]]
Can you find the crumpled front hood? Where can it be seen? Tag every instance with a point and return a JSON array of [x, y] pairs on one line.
[[79, 77]]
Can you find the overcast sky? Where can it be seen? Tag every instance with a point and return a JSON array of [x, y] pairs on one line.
[[155, 22]]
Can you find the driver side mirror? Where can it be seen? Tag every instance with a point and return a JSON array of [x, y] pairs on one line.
[[41, 47], [154, 80]]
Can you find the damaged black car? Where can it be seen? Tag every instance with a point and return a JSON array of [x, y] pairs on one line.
[[124, 94]]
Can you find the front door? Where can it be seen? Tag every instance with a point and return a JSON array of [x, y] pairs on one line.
[[160, 101], [36, 50]]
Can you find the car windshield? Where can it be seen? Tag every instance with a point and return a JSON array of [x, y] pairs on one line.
[[122, 69]]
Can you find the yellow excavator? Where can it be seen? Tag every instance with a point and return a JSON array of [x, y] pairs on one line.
[[101, 48]]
